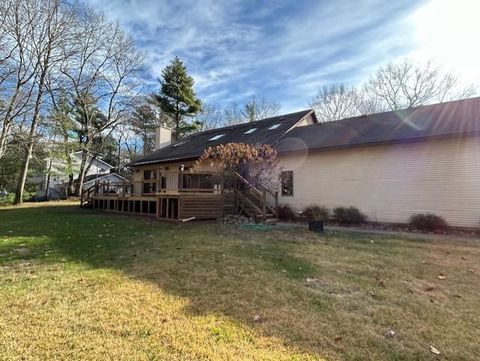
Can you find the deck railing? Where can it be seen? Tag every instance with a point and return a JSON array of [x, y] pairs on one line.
[[166, 182], [187, 181]]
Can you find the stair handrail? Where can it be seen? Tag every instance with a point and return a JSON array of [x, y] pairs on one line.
[[86, 195], [261, 195], [248, 184], [261, 192]]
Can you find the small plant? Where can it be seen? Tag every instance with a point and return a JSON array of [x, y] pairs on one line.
[[348, 216], [314, 212], [286, 213], [427, 222]]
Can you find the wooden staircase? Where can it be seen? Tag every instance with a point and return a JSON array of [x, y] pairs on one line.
[[86, 199], [256, 202]]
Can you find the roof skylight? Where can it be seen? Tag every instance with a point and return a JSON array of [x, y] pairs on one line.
[[250, 131], [177, 144], [275, 126], [218, 136]]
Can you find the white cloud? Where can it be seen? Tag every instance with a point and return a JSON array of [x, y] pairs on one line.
[[283, 51]]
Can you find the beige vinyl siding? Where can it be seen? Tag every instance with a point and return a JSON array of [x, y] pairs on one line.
[[389, 183]]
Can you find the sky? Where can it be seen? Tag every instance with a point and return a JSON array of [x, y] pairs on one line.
[[285, 50]]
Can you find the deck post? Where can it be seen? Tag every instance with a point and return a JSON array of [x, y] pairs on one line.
[[180, 180], [276, 204], [264, 205]]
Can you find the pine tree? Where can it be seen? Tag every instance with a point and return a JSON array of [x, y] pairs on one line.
[[144, 122], [177, 97]]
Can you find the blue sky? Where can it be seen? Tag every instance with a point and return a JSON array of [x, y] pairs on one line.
[[285, 50]]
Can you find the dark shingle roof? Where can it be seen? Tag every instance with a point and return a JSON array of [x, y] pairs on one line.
[[193, 146], [454, 118], [98, 176]]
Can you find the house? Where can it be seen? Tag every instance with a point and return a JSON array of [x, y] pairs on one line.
[[165, 186], [389, 165], [56, 175]]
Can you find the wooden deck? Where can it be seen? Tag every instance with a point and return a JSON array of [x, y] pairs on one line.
[[169, 207], [197, 196]]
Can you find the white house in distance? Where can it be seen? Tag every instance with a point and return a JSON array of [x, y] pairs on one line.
[[56, 176], [389, 165]]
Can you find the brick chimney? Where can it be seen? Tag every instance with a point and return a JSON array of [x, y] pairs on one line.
[[163, 137]]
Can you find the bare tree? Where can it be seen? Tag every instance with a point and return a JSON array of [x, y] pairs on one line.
[[336, 102], [232, 115], [102, 74], [210, 117], [392, 87], [48, 29], [18, 63], [260, 108], [406, 85]]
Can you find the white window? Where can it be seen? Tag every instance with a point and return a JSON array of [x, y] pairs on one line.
[[275, 126], [250, 131], [218, 136]]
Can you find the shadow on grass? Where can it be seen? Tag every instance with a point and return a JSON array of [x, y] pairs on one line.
[[220, 269]]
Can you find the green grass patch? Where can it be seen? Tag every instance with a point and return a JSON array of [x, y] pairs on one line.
[[82, 285]]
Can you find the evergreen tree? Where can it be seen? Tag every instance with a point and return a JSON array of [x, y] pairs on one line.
[[177, 97], [144, 122]]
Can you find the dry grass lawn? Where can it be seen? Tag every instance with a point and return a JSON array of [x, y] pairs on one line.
[[81, 285]]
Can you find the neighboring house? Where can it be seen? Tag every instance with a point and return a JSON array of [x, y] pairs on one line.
[[389, 165], [56, 176]]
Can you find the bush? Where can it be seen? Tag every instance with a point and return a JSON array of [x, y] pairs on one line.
[[286, 213], [10, 197], [316, 213], [348, 216], [427, 222]]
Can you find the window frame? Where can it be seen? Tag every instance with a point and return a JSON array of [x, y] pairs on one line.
[[250, 131], [283, 178], [274, 126]]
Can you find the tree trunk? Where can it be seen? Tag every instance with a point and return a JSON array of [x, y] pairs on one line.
[[47, 186], [177, 122], [3, 138], [71, 186], [26, 162], [81, 174], [7, 120], [31, 141]]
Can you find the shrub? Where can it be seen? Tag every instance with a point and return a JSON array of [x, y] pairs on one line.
[[286, 213], [427, 222], [316, 213], [348, 216]]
